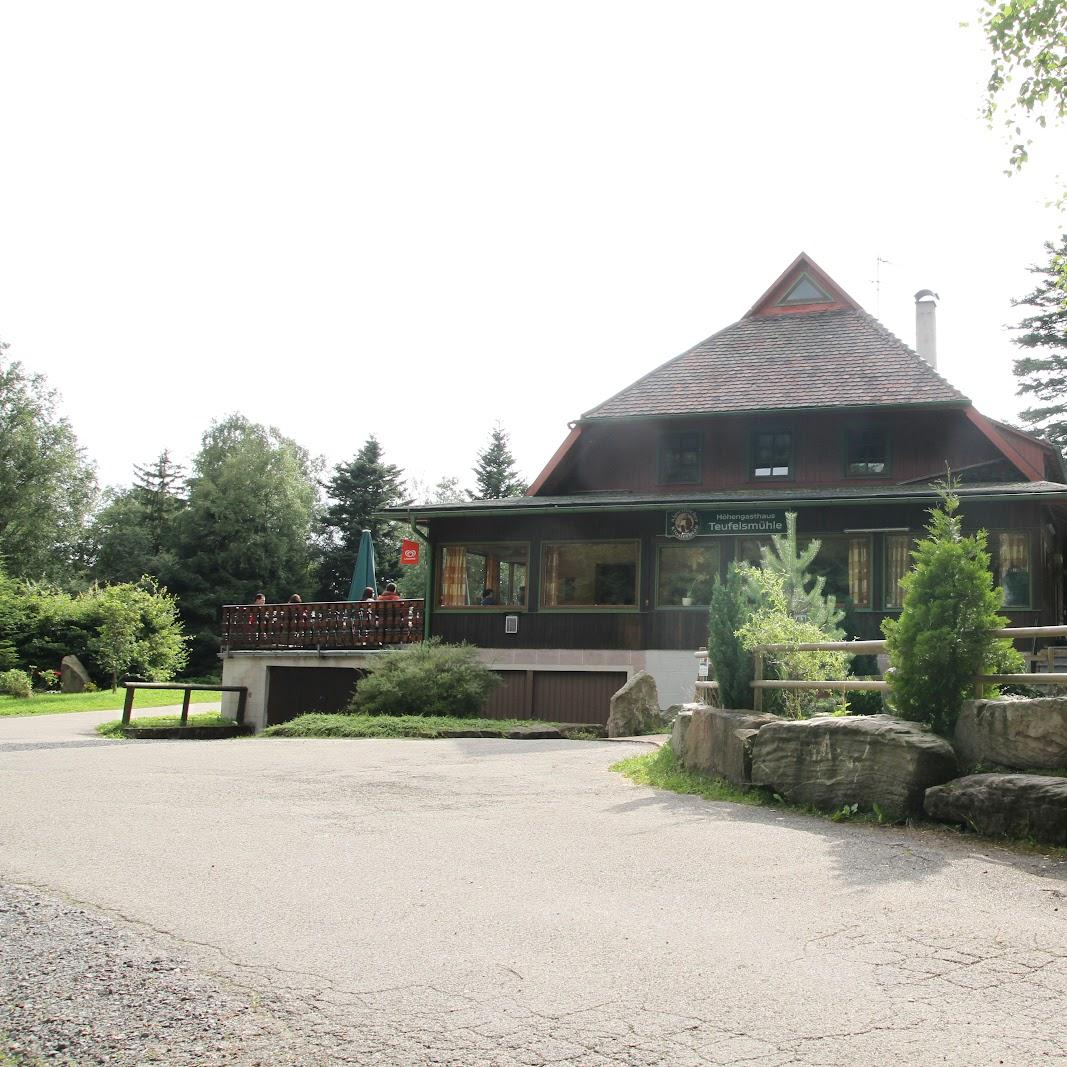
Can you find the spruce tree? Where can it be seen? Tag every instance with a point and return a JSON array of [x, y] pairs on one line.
[[731, 607], [357, 491], [1044, 376], [495, 476], [806, 601], [158, 487]]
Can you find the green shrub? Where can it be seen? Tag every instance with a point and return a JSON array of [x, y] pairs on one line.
[[427, 679], [941, 640], [731, 607], [772, 624], [16, 683]]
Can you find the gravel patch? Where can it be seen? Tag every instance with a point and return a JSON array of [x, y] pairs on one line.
[[80, 989]]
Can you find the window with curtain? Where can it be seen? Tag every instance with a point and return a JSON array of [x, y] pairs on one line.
[[686, 574], [1011, 566], [845, 563], [898, 561], [589, 574], [482, 575]]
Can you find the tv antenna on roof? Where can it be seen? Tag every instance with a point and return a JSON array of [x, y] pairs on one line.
[[878, 261]]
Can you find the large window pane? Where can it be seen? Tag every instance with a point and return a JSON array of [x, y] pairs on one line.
[[482, 575], [845, 563], [1011, 567], [897, 563], [686, 573], [749, 549], [589, 574]]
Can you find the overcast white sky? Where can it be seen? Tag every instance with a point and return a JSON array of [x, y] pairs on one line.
[[411, 220]]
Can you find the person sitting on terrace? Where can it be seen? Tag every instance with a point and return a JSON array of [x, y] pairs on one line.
[[295, 599], [488, 597], [259, 600], [368, 593], [390, 592]]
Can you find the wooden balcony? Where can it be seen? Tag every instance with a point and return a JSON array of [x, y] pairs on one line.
[[363, 624]]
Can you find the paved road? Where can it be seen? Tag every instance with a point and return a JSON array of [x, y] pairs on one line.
[[482, 902]]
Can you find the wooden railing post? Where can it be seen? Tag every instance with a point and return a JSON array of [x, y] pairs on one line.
[[757, 676], [185, 707], [127, 706]]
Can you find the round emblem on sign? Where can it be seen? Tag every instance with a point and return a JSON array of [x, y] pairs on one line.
[[684, 525]]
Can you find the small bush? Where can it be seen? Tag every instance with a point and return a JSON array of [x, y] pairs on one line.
[[427, 679], [16, 683]]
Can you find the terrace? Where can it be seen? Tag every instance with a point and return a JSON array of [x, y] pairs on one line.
[[317, 626]]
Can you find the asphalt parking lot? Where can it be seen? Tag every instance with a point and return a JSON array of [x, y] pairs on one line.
[[507, 902]]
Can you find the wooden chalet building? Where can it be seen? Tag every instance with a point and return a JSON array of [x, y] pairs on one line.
[[806, 404]]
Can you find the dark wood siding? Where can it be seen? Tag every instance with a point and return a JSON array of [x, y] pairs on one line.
[[293, 691], [624, 456], [652, 628]]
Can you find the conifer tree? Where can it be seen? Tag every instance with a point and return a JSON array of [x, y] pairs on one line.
[[805, 599], [158, 487], [358, 489], [495, 476], [1044, 375]]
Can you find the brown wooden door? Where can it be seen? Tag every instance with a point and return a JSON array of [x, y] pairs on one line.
[[293, 691]]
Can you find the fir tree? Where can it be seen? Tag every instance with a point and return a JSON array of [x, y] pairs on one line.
[[158, 487], [806, 601], [1044, 376], [731, 607], [358, 490], [495, 476]]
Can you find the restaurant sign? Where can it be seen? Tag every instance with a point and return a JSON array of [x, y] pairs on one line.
[[687, 524]]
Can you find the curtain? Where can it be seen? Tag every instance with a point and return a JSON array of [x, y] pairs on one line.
[[550, 587], [859, 571], [454, 577], [1013, 568], [896, 566]]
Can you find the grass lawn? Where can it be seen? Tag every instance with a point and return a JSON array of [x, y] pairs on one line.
[[60, 703], [398, 726], [662, 770], [160, 722]]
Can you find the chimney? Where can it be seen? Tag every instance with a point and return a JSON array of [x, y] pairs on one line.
[[926, 325]]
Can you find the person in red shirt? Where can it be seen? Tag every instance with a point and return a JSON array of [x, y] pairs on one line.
[[390, 592]]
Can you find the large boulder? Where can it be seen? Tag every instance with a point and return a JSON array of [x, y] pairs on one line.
[[717, 741], [635, 707], [73, 677], [829, 762], [1018, 805], [1028, 734]]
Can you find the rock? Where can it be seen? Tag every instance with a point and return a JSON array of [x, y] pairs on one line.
[[680, 729], [668, 715], [717, 741], [1018, 805], [1013, 733], [635, 707], [73, 677], [829, 762]]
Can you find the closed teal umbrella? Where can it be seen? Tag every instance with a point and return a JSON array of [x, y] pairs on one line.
[[363, 574]]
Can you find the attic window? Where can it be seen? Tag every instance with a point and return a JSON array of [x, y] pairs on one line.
[[679, 458], [805, 291]]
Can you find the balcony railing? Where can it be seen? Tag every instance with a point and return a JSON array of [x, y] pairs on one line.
[[363, 624]]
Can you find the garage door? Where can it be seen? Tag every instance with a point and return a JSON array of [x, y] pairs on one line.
[[556, 696], [293, 691]]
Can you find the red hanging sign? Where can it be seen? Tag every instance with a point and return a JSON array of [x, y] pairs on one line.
[[409, 552]]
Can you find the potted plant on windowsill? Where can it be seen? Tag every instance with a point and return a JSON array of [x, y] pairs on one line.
[[687, 598]]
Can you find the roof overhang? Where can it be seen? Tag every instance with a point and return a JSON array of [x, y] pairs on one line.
[[931, 405], [1048, 492]]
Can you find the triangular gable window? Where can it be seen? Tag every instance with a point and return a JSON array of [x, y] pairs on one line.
[[805, 291]]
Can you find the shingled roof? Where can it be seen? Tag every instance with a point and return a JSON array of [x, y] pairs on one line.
[[823, 351]]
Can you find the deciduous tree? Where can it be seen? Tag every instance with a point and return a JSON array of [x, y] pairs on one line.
[[46, 484]]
